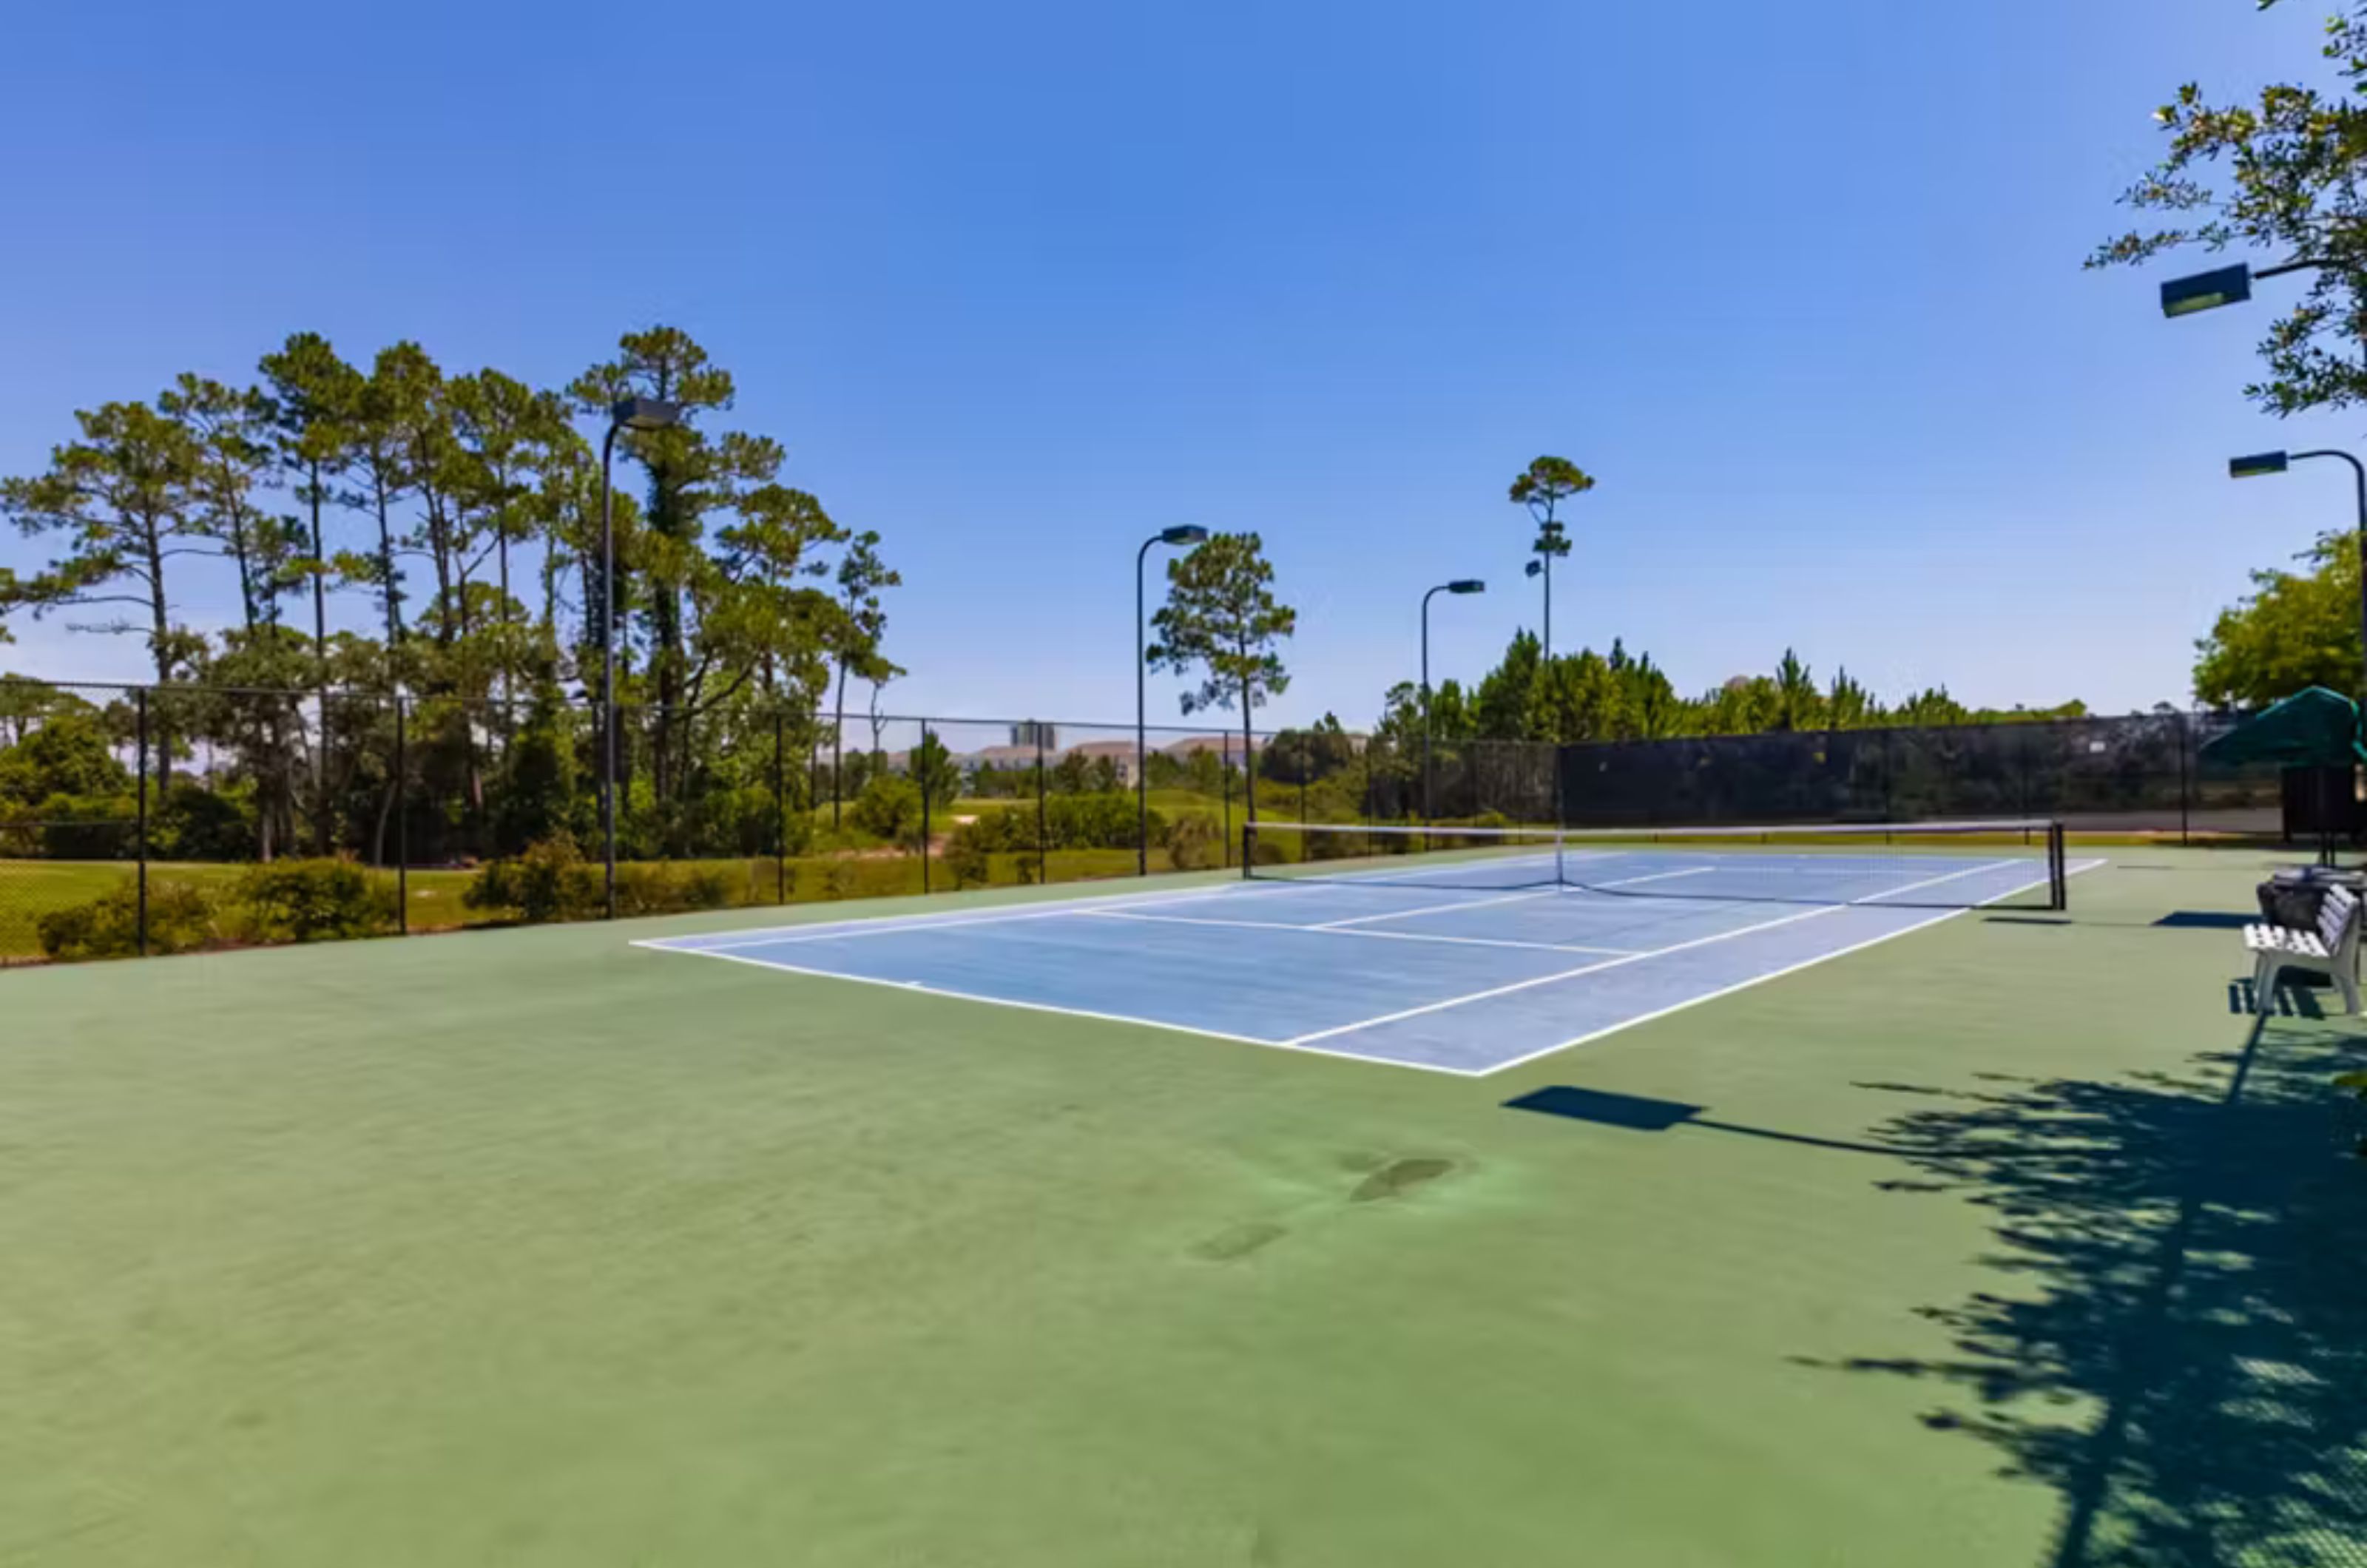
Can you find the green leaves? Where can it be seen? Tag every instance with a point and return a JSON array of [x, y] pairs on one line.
[[1223, 621], [2283, 175], [2295, 629]]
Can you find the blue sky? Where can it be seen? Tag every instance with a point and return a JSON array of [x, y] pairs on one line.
[[1018, 284]]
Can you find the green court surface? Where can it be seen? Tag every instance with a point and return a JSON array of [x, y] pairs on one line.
[[2007, 1242]]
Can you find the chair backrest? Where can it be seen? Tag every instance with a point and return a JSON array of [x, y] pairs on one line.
[[2337, 921]]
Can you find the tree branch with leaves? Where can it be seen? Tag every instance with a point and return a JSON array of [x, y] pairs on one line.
[[1223, 624]]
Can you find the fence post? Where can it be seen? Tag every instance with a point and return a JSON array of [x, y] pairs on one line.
[[1889, 766], [920, 766], [1224, 752], [139, 846], [1043, 837], [2185, 788], [780, 809], [401, 820]]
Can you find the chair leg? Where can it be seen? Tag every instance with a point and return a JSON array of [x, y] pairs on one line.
[[2344, 977], [2264, 989]]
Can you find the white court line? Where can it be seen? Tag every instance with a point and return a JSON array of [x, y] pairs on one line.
[[915, 987], [1565, 975], [1592, 1035], [891, 925], [1630, 958], [1434, 908], [1993, 865], [1301, 1044], [1333, 930], [1658, 876]]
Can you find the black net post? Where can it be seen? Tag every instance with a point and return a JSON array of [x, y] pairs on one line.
[[401, 819], [2059, 870], [139, 847]]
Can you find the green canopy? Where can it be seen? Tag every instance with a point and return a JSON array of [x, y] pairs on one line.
[[2312, 728]]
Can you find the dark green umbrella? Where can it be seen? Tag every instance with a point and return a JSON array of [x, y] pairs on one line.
[[2312, 728]]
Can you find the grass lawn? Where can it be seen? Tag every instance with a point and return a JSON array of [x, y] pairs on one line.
[[2009, 1244]]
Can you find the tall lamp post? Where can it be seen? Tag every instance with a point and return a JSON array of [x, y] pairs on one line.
[[1186, 535], [627, 413], [1552, 540], [2263, 463], [1461, 586]]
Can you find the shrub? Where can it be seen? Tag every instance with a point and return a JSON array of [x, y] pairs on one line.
[[839, 880], [649, 887], [314, 900], [549, 882], [1195, 842], [89, 827], [193, 822], [1104, 821], [180, 920], [889, 809]]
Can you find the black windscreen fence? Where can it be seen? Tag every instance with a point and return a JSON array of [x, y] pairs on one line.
[[146, 820], [2143, 773]]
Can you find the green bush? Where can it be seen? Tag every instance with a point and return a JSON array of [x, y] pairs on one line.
[[100, 827], [1103, 819], [314, 900], [652, 887], [549, 882], [180, 920], [889, 809], [1195, 842], [193, 822]]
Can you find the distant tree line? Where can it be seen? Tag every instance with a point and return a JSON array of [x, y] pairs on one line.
[[464, 510]]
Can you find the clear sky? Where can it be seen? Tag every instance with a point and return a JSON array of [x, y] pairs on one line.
[[1020, 284]]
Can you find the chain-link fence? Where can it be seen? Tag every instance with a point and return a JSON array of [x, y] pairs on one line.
[[165, 819]]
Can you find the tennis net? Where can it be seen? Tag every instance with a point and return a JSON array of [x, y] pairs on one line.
[[1941, 865]]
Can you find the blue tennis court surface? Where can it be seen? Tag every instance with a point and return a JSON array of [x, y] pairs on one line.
[[1464, 979]]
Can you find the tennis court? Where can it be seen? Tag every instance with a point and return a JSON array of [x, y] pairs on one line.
[[1461, 953]]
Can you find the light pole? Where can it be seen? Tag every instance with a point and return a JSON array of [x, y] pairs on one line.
[[627, 413], [1552, 540], [2221, 285], [1185, 534], [1461, 586], [2276, 463]]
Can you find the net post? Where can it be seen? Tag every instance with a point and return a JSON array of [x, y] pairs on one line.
[[2057, 868], [1249, 850]]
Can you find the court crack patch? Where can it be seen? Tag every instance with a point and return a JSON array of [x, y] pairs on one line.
[[1398, 1178], [1239, 1241]]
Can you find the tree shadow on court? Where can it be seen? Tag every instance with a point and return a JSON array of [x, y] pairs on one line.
[[2177, 1340]]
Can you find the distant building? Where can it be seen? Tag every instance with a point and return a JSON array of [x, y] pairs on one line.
[[1028, 734], [1119, 752], [1228, 747]]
